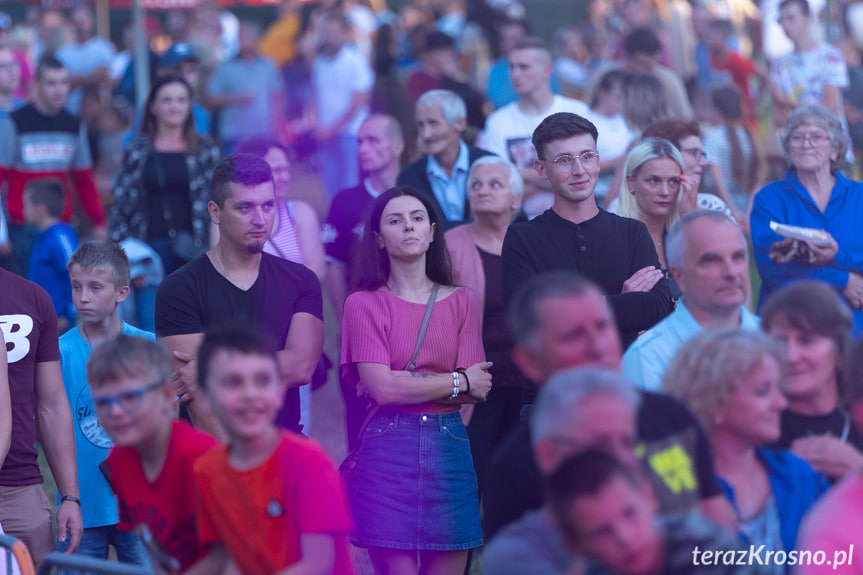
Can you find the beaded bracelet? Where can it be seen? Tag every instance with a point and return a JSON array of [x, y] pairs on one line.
[[455, 384]]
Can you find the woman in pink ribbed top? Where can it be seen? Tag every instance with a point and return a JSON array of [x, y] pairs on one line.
[[414, 493]]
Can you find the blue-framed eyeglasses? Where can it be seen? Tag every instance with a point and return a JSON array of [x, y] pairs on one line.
[[129, 401]]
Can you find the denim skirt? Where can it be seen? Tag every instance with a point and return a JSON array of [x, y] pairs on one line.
[[414, 485]]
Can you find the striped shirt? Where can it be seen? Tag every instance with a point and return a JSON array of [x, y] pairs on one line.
[[284, 242]]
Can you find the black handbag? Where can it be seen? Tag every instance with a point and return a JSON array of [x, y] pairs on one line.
[[348, 467]]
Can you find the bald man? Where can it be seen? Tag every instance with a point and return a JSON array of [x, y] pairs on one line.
[[379, 146]]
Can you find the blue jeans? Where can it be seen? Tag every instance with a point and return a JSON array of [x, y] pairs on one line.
[[338, 164], [95, 542]]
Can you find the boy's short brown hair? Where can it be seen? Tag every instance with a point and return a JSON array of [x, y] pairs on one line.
[[47, 192], [584, 474], [103, 254], [237, 336], [128, 356]]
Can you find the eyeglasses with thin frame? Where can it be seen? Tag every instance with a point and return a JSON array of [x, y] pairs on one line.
[[565, 162], [697, 152], [129, 401], [815, 140]]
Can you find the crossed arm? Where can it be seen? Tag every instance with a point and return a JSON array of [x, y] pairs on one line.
[[297, 362]]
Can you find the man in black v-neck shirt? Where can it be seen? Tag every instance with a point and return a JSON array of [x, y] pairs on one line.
[[575, 235], [235, 279]]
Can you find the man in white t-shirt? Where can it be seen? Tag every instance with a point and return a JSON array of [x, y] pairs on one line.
[[87, 58], [342, 81], [508, 131]]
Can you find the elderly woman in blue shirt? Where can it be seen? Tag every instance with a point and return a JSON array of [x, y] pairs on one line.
[[814, 194]]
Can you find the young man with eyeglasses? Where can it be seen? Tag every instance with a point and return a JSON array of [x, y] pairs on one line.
[[576, 235], [150, 466]]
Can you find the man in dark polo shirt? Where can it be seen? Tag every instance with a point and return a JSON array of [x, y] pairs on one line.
[[236, 279], [575, 234]]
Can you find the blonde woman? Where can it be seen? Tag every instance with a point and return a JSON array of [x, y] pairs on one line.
[[731, 380], [651, 189]]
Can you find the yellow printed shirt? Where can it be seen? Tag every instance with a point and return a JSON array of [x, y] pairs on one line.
[[676, 454]]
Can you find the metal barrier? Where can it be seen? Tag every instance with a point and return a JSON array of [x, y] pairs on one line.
[[83, 564], [16, 552]]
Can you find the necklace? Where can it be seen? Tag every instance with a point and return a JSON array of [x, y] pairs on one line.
[[222, 267], [229, 277]]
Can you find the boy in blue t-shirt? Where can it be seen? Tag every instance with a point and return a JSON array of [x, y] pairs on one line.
[[53, 246], [99, 275]]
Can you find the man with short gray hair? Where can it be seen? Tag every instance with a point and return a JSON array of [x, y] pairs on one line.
[[709, 260], [578, 409], [441, 117]]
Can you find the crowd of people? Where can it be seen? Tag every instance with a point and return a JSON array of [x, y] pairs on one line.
[[541, 256]]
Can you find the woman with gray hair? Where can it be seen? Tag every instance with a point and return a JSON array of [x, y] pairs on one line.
[[731, 381], [495, 189], [816, 196]]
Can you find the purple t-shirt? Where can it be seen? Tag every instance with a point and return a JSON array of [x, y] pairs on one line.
[[30, 328]]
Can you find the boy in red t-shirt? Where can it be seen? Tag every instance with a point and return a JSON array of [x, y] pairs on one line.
[[739, 69], [150, 465], [273, 498]]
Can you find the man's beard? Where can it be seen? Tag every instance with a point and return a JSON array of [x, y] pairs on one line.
[[256, 247]]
